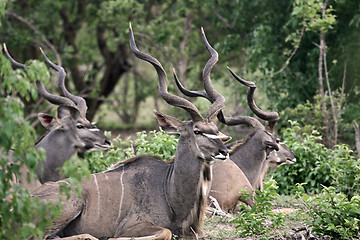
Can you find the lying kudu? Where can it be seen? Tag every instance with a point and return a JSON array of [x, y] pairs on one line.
[[228, 178], [253, 156], [263, 147], [67, 133], [144, 197]]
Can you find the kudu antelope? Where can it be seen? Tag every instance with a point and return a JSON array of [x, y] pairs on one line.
[[67, 133], [145, 197], [228, 178], [254, 156], [263, 147]]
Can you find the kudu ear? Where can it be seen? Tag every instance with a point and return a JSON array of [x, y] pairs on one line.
[[224, 138], [64, 111], [168, 124], [47, 120]]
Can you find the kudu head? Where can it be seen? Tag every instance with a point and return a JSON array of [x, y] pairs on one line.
[[92, 136], [67, 133], [267, 137], [282, 155], [201, 132], [144, 197], [69, 106]]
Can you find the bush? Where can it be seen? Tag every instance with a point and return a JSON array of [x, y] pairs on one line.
[[317, 165], [259, 219], [154, 142], [17, 208], [332, 213], [20, 215]]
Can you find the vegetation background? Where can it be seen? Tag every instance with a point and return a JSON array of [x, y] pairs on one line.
[[302, 54]]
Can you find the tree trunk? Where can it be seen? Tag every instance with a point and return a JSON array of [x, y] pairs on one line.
[[183, 60], [321, 89], [333, 140], [357, 137], [116, 62]]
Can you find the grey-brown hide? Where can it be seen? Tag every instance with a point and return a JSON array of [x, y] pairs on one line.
[[257, 153], [228, 181], [65, 137], [67, 133], [62, 133], [144, 196]]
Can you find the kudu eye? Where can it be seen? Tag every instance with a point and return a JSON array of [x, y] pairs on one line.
[[272, 145], [197, 132], [79, 126]]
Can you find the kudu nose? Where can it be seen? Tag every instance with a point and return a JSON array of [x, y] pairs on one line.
[[224, 151], [107, 142]]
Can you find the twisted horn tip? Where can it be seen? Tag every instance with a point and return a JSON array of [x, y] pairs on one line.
[[246, 83], [44, 55], [130, 28]]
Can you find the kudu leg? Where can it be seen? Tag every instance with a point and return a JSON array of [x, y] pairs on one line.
[[80, 237], [144, 231]]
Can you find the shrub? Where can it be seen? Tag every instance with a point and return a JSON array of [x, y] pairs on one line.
[[253, 221], [20, 215], [154, 142], [317, 165], [332, 213]]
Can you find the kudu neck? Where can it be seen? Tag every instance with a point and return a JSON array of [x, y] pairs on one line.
[[260, 183], [189, 180], [59, 147], [250, 157]]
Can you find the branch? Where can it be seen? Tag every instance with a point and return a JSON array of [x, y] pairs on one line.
[[333, 110], [70, 27], [223, 20], [295, 49], [37, 31], [183, 60], [342, 90]]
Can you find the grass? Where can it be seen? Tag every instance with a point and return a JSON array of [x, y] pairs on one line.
[[216, 227]]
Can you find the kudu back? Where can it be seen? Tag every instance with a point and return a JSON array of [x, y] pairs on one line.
[[254, 155], [145, 197], [68, 133]]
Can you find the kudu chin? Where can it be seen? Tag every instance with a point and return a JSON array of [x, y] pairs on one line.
[[253, 156], [68, 133], [145, 197]]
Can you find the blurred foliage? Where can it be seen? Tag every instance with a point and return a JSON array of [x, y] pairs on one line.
[[158, 143], [255, 38], [309, 115]]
